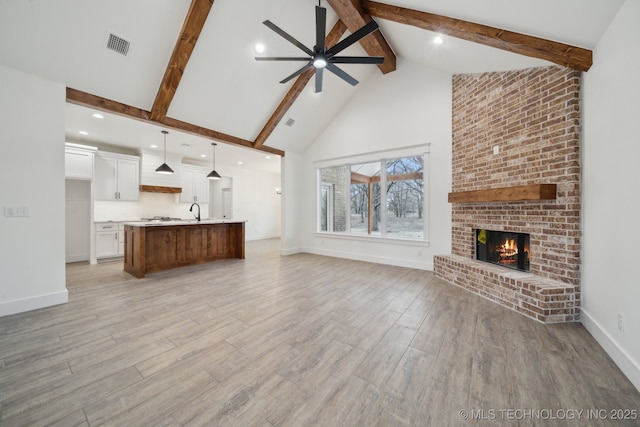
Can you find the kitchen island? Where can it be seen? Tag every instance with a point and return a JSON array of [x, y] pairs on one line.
[[157, 246]]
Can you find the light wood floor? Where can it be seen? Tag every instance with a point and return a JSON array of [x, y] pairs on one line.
[[302, 340]]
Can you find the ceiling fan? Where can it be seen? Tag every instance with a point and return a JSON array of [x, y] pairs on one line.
[[320, 57]]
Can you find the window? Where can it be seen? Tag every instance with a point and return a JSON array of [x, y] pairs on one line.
[[382, 198], [333, 196], [405, 197]]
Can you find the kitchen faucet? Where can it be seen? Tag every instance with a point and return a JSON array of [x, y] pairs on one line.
[[191, 210]]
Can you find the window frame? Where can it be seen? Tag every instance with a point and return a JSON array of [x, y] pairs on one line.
[[383, 157]]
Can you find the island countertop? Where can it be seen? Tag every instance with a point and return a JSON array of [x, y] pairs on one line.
[[151, 246], [164, 223]]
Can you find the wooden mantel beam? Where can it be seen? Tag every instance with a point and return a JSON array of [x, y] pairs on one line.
[[191, 28], [332, 38], [559, 53], [355, 17], [77, 97]]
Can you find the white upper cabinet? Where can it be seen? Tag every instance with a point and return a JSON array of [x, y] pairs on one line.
[[195, 185], [78, 162], [116, 177]]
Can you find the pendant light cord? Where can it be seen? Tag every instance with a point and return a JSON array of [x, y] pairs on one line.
[[165, 146]]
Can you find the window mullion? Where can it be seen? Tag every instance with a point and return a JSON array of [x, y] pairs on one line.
[[383, 198], [348, 199]]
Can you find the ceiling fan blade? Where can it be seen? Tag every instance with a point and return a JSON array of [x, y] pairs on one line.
[[288, 37], [281, 58], [321, 28], [297, 73], [318, 87], [340, 73], [370, 27], [357, 59]]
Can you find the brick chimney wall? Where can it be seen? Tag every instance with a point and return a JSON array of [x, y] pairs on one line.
[[533, 117]]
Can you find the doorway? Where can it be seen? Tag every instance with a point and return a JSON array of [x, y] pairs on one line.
[[77, 220], [221, 198]]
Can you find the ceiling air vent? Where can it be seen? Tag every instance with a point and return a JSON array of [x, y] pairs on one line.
[[117, 44], [290, 122]]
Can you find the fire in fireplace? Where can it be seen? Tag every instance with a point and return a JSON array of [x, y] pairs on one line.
[[504, 248]]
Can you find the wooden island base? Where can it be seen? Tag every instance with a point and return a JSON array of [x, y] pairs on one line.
[[151, 247]]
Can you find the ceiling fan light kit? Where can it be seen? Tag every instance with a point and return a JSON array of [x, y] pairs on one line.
[[320, 57], [164, 167]]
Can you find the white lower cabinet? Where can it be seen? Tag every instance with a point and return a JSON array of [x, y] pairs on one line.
[[109, 240]]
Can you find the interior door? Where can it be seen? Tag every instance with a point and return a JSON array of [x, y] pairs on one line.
[[227, 203]]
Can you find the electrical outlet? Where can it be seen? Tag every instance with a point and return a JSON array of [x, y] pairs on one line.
[[620, 322], [496, 149]]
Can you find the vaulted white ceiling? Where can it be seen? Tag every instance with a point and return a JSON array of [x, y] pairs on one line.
[[223, 88]]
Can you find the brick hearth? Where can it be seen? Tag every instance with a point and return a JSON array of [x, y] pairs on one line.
[[533, 116]]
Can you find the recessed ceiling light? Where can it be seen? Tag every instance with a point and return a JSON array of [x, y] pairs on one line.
[[153, 146], [98, 116], [83, 132], [438, 40], [267, 157], [259, 48], [203, 155], [239, 163]]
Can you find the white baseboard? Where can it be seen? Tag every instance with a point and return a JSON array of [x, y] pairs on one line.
[[33, 303], [398, 262], [253, 238], [291, 251], [76, 258], [625, 362]]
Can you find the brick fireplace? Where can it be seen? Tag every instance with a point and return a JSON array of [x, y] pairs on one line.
[[510, 129]]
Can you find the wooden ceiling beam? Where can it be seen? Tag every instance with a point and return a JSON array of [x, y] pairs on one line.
[[301, 82], [84, 99], [355, 17], [559, 53], [191, 28]]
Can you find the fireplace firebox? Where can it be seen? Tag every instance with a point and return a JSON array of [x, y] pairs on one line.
[[503, 248]]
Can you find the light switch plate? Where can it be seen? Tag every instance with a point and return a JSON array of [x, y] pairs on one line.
[[14, 211]]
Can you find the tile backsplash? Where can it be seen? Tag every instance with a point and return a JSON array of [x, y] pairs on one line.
[[149, 205]]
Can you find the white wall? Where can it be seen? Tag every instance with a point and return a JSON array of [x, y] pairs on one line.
[[32, 255], [411, 106], [611, 179], [255, 200], [293, 197]]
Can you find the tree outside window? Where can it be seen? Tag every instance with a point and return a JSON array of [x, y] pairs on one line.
[[384, 198]]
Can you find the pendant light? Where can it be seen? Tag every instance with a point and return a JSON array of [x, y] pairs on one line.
[[214, 174], [164, 168]]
